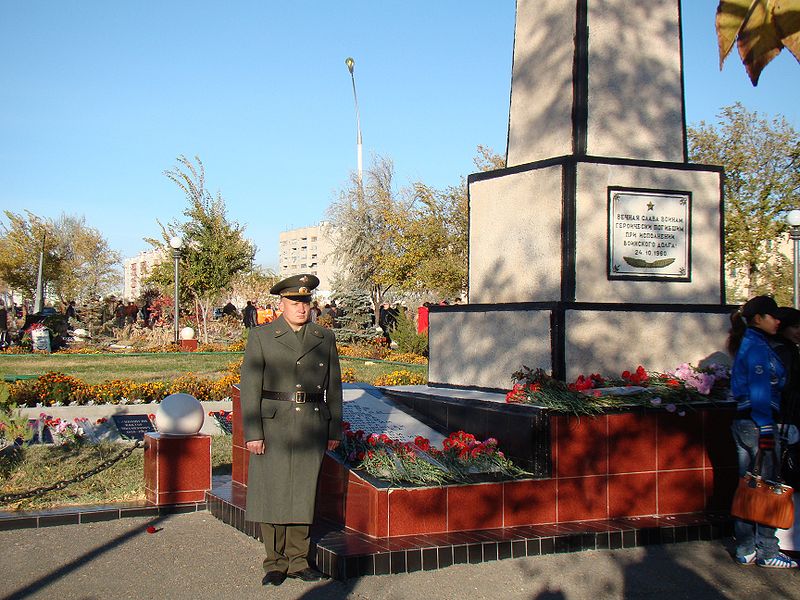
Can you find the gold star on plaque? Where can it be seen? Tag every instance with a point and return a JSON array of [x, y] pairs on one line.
[[650, 206]]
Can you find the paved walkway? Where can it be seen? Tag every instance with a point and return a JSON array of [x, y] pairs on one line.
[[195, 556]]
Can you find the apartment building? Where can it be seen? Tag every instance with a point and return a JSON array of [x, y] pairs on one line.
[[137, 269], [308, 250]]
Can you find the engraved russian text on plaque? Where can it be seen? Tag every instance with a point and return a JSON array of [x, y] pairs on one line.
[[649, 234]]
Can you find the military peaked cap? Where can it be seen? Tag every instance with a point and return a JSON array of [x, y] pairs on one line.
[[296, 287]]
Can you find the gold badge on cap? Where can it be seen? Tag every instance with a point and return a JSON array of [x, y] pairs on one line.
[[303, 290], [304, 279]]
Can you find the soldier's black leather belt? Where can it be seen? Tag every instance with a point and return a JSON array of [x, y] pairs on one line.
[[298, 397]]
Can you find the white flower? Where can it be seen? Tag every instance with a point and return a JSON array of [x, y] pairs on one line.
[[655, 401], [671, 408]]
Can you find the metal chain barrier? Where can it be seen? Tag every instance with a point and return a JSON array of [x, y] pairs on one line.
[[60, 485]]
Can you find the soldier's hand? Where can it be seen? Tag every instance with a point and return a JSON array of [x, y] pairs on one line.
[[256, 447], [333, 445]]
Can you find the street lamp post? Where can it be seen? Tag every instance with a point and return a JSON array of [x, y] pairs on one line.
[[39, 300], [350, 65], [793, 218], [176, 243]]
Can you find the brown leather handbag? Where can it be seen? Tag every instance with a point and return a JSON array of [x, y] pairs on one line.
[[761, 501]]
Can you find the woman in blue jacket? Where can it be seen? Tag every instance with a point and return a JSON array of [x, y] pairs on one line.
[[757, 379]]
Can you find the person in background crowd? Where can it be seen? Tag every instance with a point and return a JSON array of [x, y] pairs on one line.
[[758, 377], [291, 397], [70, 312], [262, 315], [422, 318], [131, 312], [146, 312], [270, 314], [315, 311], [229, 309], [3, 326], [119, 314], [249, 315], [785, 346]]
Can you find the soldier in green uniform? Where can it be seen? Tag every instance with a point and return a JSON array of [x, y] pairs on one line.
[[291, 394]]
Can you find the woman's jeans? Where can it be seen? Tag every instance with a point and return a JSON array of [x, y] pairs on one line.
[[752, 536]]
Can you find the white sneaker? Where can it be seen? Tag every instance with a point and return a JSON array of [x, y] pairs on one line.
[[747, 559], [781, 561]]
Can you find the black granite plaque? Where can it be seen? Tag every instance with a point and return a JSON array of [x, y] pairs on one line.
[[133, 427]]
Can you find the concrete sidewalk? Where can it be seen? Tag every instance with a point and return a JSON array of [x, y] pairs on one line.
[[196, 556]]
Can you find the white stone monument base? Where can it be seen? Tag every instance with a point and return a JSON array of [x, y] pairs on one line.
[[480, 346]]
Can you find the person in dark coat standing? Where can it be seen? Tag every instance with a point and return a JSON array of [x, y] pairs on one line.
[[291, 397], [249, 315]]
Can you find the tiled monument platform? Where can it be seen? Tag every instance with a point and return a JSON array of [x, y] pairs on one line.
[[613, 481]]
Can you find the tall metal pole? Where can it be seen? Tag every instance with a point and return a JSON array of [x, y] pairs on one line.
[[176, 254], [38, 303], [795, 235], [793, 218], [176, 243], [350, 66]]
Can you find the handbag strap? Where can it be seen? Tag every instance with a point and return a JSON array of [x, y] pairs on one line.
[[775, 462]]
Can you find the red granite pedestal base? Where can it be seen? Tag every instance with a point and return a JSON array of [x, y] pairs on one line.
[[188, 345], [176, 469]]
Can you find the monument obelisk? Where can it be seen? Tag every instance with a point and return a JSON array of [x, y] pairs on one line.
[[598, 247]]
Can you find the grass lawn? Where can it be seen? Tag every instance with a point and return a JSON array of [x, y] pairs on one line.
[[39, 466], [96, 368]]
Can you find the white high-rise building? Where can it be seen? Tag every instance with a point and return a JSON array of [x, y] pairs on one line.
[[308, 250], [137, 269]]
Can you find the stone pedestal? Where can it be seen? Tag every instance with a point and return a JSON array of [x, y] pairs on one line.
[[176, 469], [188, 345]]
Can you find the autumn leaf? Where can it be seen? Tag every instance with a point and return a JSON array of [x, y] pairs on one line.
[[760, 29], [787, 22]]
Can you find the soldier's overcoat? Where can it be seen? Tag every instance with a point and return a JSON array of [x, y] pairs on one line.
[[282, 482]]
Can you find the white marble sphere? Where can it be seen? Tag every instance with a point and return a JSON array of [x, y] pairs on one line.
[[180, 414], [187, 333]]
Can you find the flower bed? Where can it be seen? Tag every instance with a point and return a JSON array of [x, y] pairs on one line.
[[58, 389], [400, 377], [461, 457], [675, 391], [378, 351]]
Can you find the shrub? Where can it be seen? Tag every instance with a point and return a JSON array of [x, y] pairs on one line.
[[348, 375], [404, 333]]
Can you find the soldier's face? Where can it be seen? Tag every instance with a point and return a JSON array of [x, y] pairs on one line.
[[296, 313]]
